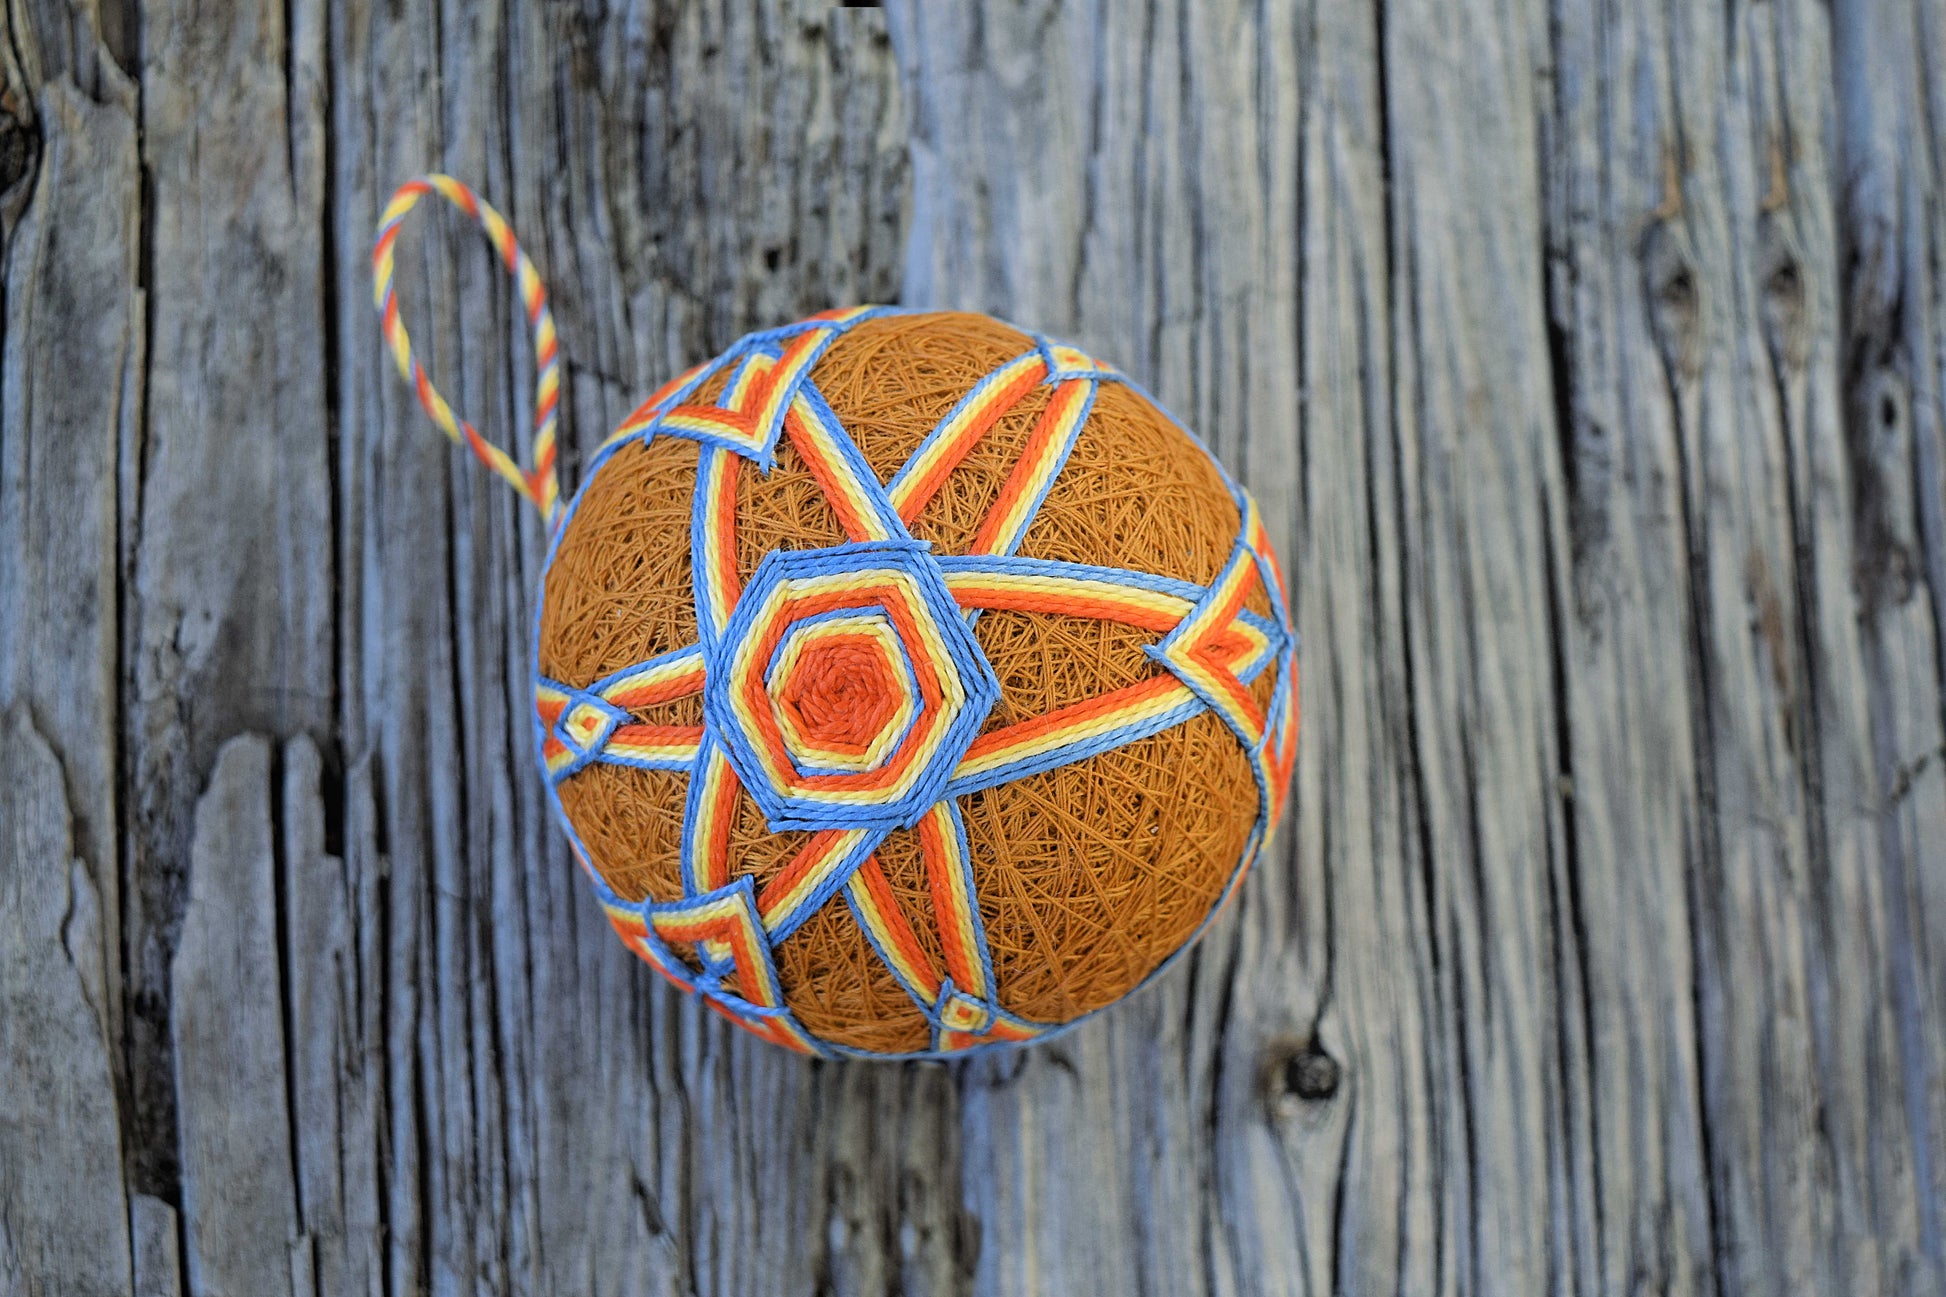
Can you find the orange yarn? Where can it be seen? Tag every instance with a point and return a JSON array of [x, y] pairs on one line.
[[839, 696], [1088, 875]]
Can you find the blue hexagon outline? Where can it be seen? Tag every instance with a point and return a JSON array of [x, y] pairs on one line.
[[977, 681]]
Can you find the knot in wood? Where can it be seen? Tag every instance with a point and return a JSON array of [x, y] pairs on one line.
[[1311, 1074]]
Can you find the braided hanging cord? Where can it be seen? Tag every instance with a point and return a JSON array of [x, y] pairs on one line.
[[540, 486]]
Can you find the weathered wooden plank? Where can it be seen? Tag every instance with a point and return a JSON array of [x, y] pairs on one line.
[[333, 1081], [239, 1193], [1473, 471], [229, 598], [1371, 1201], [1735, 499], [1641, 1209], [73, 307], [63, 1216], [1891, 163]]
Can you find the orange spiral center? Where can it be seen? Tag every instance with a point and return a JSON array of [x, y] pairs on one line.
[[841, 694]]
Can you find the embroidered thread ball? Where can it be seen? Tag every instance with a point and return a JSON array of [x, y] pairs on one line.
[[906, 683]]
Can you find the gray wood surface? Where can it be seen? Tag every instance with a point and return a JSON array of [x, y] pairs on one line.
[[1588, 357]]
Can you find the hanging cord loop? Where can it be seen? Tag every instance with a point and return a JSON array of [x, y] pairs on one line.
[[541, 485]]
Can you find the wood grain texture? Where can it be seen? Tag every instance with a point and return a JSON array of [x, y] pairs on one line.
[[1589, 361]]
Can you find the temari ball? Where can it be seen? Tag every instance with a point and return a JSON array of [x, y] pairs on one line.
[[907, 683]]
